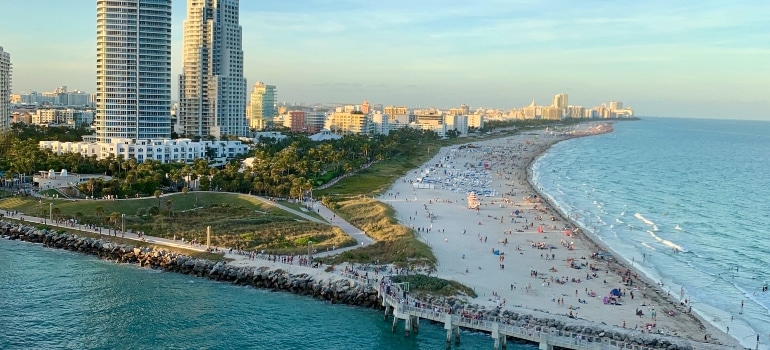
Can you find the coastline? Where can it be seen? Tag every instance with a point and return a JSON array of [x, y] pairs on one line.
[[257, 272], [711, 320], [660, 294], [458, 254], [541, 149]]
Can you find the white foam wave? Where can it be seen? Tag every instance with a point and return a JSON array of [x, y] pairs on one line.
[[667, 243], [644, 219], [618, 221]]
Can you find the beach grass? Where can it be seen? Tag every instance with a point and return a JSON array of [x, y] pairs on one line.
[[434, 285], [395, 244], [243, 228]]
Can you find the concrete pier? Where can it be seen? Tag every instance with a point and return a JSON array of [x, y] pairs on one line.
[[407, 325], [411, 311]]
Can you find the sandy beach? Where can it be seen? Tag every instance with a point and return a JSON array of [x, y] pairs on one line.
[[516, 250]]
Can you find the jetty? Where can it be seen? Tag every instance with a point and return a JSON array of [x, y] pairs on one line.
[[402, 307]]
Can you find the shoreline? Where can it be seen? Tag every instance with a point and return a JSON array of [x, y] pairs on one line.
[[615, 264], [663, 292], [445, 210]]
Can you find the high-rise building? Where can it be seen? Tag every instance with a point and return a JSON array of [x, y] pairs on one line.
[[552, 113], [560, 101], [530, 112], [133, 69], [212, 90], [263, 105], [616, 105], [5, 89]]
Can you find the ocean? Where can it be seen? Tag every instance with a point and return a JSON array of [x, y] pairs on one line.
[[56, 299], [685, 201]]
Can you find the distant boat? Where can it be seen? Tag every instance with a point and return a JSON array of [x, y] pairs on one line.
[[677, 227]]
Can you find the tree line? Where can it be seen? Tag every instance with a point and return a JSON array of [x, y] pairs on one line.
[[288, 167]]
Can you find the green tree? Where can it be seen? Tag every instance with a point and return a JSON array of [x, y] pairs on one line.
[[157, 194], [99, 211]]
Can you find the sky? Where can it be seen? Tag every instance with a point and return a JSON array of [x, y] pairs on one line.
[[704, 58]]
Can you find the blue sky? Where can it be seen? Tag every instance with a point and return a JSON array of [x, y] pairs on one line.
[[702, 58]]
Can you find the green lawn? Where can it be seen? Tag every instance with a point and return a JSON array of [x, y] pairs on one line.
[[179, 201], [241, 228], [301, 208], [236, 220]]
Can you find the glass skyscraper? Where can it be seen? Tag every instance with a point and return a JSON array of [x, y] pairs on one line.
[[133, 69], [212, 90], [5, 89]]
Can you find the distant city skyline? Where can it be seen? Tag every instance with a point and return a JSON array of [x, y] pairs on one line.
[[685, 59]]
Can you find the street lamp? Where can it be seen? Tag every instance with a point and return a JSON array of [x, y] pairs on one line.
[[50, 212], [123, 223], [309, 247]]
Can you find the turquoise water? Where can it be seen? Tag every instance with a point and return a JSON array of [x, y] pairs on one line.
[[53, 299], [687, 200]]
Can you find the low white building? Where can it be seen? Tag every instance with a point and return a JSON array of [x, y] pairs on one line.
[[163, 150], [324, 135], [439, 129], [51, 179]]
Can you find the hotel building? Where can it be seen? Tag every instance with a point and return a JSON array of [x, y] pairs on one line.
[[133, 72], [212, 90], [162, 150], [5, 89]]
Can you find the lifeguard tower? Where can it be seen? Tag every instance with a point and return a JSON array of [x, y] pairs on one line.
[[473, 201]]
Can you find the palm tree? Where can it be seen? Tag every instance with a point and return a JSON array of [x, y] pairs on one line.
[[91, 185], [99, 211], [157, 196], [114, 218], [169, 207]]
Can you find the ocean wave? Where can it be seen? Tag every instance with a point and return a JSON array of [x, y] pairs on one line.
[[668, 243], [644, 219], [648, 246], [619, 221]]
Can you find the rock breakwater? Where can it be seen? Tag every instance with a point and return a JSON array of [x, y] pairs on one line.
[[342, 291]]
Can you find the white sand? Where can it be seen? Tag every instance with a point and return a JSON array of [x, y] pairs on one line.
[[480, 268]]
